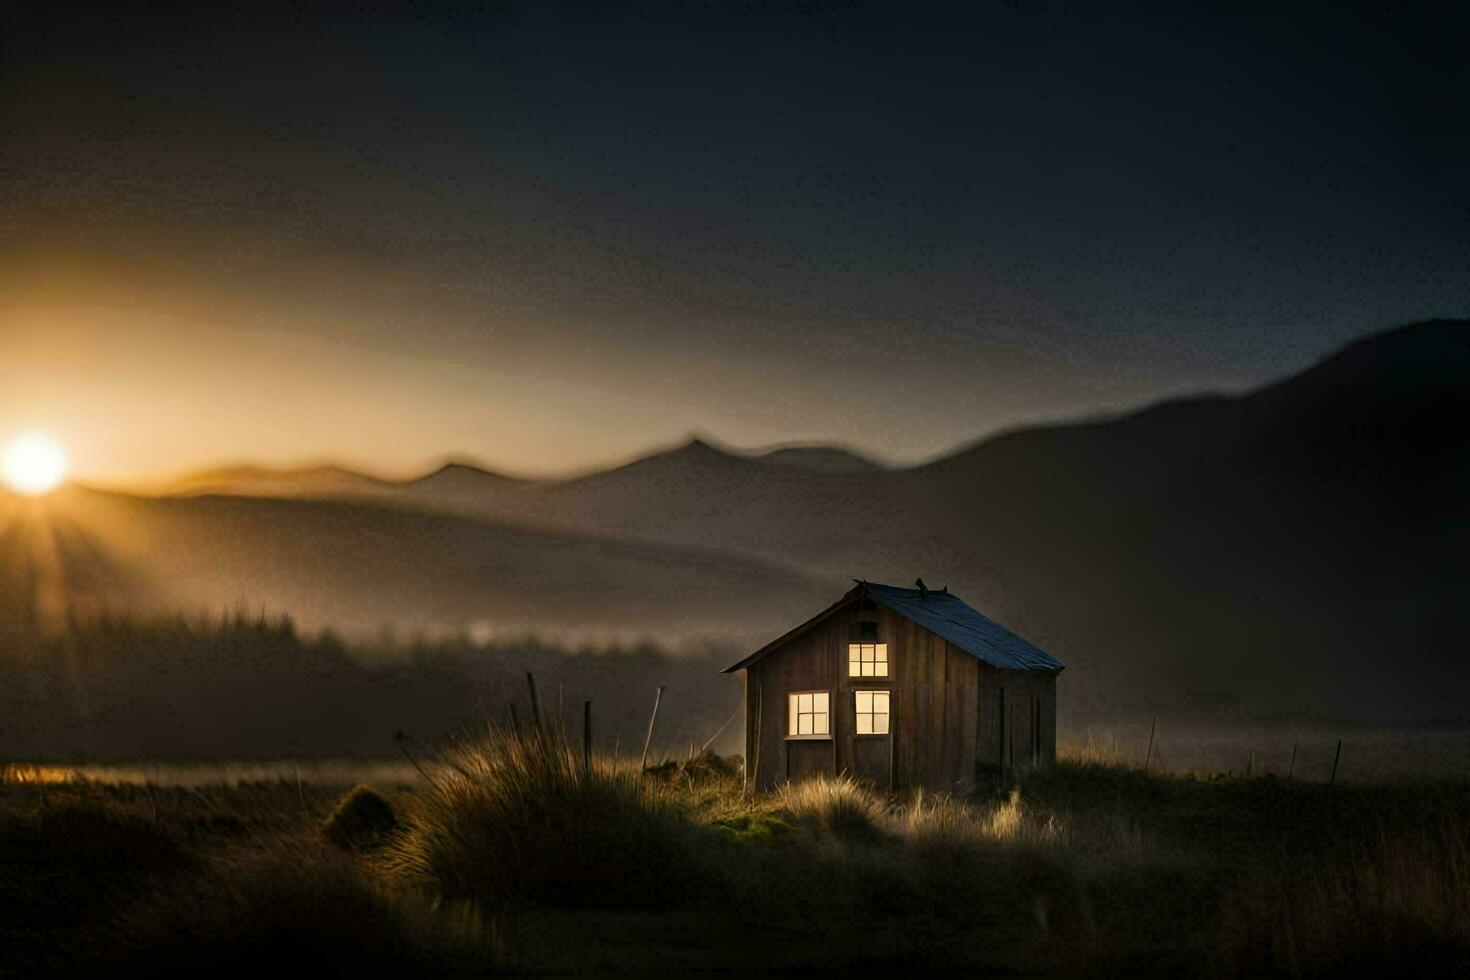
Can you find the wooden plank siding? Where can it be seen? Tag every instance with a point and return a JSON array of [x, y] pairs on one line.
[[946, 714]]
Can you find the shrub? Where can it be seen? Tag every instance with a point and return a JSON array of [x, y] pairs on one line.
[[507, 821], [362, 821]]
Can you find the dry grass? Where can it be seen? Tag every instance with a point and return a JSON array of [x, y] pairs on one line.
[[508, 821], [834, 809], [1355, 906], [511, 853], [253, 907]]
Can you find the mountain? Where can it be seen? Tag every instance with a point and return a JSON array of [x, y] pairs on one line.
[[1303, 544], [323, 480], [823, 459]]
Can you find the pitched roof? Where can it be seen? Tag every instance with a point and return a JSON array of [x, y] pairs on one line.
[[970, 630], [944, 615]]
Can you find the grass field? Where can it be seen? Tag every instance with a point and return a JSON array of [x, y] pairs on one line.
[[505, 855]]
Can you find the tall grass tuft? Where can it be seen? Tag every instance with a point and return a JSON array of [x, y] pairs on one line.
[[509, 821], [838, 809]]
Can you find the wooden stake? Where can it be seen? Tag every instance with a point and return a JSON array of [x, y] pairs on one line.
[[648, 739], [753, 766], [1333, 780], [586, 736], [535, 702], [1290, 772], [1148, 756]]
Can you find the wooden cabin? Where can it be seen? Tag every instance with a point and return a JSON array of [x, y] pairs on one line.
[[901, 687]]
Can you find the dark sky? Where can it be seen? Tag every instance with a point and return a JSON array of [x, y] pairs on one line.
[[552, 236]]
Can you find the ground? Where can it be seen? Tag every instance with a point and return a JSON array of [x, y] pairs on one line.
[[509, 857]]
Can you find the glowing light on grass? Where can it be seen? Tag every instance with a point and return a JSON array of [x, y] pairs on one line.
[[34, 464]]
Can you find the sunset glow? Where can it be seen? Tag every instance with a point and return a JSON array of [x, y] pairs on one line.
[[34, 464]]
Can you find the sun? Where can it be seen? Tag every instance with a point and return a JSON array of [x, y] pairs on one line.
[[34, 464]]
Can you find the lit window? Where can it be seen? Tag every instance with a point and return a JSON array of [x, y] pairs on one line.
[[809, 715], [872, 712], [867, 660]]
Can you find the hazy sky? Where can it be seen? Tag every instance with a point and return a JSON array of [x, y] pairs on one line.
[[550, 237]]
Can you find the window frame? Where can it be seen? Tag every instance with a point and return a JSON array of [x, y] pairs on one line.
[[887, 663], [793, 713], [887, 715]]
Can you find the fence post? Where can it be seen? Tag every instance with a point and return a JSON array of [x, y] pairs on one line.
[[535, 703], [1337, 756], [586, 736], [648, 739], [1148, 756], [515, 723]]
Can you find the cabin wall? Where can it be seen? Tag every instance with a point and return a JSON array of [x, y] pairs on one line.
[[946, 716], [1017, 720]]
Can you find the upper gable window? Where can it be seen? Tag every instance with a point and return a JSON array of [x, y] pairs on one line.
[[867, 660]]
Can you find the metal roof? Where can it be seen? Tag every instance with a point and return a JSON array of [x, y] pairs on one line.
[[970, 630], [942, 614]]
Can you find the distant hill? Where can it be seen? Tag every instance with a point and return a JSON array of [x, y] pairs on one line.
[[823, 459], [323, 480], [1304, 544], [360, 567]]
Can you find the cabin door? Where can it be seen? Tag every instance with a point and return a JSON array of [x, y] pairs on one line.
[[872, 737]]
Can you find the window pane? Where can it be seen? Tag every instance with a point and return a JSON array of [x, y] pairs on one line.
[[864, 701], [865, 724], [804, 703], [805, 725], [867, 670], [854, 663], [880, 670], [868, 654], [819, 723], [880, 724], [819, 701], [880, 701]]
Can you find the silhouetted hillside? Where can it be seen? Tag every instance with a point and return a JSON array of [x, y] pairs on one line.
[[360, 567], [825, 459], [1303, 544]]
